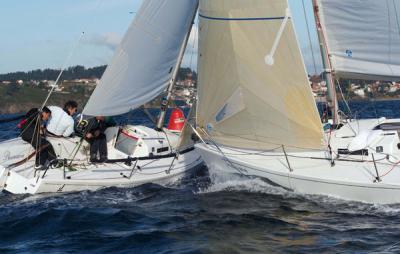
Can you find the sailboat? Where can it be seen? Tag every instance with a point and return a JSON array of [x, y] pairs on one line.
[[256, 113], [144, 65]]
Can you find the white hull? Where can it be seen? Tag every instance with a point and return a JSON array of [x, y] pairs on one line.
[[353, 177], [100, 176], [84, 175]]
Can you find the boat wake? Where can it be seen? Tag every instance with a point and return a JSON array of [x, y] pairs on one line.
[[233, 182], [153, 216], [222, 182]]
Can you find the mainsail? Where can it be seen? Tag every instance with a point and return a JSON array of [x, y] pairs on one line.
[[363, 37], [144, 61], [248, 100]]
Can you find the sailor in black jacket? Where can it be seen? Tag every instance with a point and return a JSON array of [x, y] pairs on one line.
[[97, 139], [33, 132]]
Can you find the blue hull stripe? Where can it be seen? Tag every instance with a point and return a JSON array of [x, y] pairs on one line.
[[240, 19]]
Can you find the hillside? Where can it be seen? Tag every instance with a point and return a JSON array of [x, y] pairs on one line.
[[74, 72], [21, 91], [17, 99]]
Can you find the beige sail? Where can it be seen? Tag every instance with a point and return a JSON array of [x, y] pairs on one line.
[[243, 101]]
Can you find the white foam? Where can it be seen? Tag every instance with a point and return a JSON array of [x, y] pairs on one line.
[[221, 181]]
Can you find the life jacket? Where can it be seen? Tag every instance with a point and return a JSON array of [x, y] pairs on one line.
[[31, 114], [22, 123]]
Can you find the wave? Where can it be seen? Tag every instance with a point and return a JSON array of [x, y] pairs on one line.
[[221, 182]]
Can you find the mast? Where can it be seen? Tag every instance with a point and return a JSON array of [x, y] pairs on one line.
[[165, 102], [331, 96]]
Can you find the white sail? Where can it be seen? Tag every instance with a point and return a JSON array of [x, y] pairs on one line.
[[248, 100], [144, 61], [363, 37]]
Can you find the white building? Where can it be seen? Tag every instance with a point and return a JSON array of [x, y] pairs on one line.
[[360, 92]]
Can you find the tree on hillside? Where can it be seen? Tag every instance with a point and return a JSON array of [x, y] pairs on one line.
[[73, 72]]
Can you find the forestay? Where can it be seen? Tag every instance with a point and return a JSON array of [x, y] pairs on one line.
[[363, 37], [144, 61], [246, 99]]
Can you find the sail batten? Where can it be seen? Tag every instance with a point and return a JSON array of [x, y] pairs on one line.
[[144, 62], [243, 101], [363, 38]]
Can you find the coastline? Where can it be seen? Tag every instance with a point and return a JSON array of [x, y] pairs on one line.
[[319, 99], [23, 108], [376, 99], [8, 107]]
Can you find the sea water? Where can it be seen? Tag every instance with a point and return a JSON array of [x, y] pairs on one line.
[[206, 213]]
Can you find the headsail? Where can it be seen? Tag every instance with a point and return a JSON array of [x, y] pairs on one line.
[[363, 37], [144, 61], [248, 100]]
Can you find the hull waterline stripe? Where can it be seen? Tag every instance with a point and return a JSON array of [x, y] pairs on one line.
[[240, 19]]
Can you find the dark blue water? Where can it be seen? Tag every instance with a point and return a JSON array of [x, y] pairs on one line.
[[202, 214]]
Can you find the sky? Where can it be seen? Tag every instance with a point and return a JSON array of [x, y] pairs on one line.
[[48, 34]]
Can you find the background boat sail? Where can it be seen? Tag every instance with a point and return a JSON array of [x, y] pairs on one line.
[[256, 111], [144, 64], [362, 38], [359, 40]]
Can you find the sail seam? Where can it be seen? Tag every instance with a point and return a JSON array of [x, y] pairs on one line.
[[240, 19]]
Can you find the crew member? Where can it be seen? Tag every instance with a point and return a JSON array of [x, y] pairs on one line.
[[97, 139], [61, 122], [33, 132]]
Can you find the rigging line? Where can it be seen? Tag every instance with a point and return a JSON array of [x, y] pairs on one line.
[[342, 158], [63, 69], [387, 155], [344, 99], [239, 170], [347, 105], [149, 115], [309, 37], [390, 170], [79, 144], [32, 120], [37, 127], [197, 133], [253, 153], [329, 68], [390, 36], [64, 66], [195, 35]]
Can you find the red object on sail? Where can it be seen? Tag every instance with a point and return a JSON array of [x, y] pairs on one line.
[[176, 120]]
